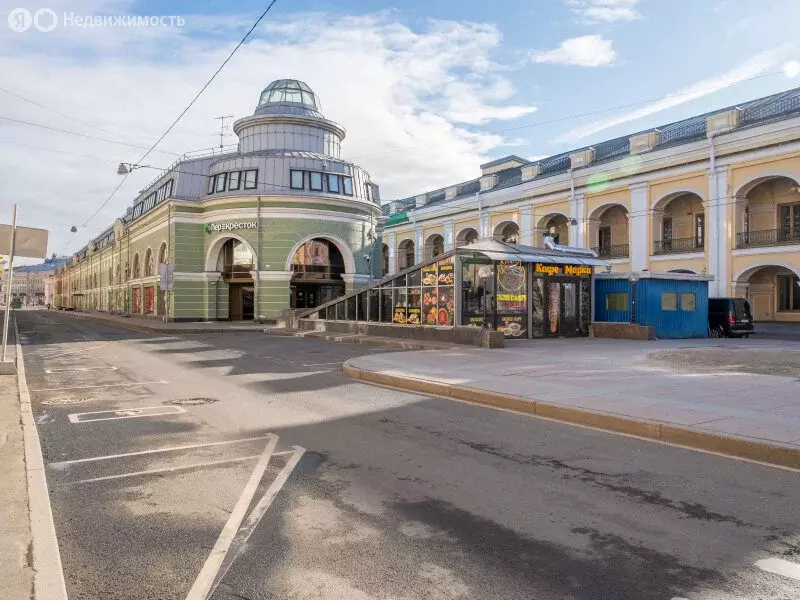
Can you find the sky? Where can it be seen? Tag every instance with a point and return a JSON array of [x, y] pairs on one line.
[[427, 91]]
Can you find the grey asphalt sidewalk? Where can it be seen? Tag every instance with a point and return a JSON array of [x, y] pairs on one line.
[[16, 576], [613, 385]]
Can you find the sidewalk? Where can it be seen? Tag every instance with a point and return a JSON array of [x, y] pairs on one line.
[[16, 576], [611, 384], [155, 325]]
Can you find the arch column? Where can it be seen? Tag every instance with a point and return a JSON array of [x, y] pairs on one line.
[[419, 243], [639, 222], [449, 235], [717, 225], [391, 242], [526, 226]]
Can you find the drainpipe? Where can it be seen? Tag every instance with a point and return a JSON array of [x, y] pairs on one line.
[[256, 314]]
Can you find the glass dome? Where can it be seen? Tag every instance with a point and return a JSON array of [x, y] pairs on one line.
[[283, 95]]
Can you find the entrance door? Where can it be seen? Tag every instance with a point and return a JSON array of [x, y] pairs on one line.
[[248, 302], [562, 308], [604, 240], [235, 306]]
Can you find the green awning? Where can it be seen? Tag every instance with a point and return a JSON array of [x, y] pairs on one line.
[[396, 219]]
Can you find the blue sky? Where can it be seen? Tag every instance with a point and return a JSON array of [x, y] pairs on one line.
[[426, 90]]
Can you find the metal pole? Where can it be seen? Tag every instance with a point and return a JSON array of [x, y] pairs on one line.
[[10, 271]]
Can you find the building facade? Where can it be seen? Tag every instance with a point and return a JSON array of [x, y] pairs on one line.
[[281, 221], [715, 194], [29, 282]]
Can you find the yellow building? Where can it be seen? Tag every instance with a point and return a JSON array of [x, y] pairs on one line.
[[718, 193]]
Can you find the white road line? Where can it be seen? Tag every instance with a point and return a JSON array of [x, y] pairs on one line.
[[48, 356], [65, 463], [92, 387], [258, 513], [205, 579], [210, 463], [780, 566], [128, 413], [48, 574], [71, 369]]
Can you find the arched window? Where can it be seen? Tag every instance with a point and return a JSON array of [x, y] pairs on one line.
[[507, 232], [434, 246], [405, 254], [385, 257], [162, 254], [137, 269], [148, 263]]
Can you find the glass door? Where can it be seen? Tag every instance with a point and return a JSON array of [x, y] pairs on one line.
[[569, 309]]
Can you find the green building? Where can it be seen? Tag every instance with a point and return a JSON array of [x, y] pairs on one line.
[[281, 222]]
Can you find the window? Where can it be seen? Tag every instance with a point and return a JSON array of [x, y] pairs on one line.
[[315, 180], [368, 191], [689, 302], [699, 230], [788, 292], [250, 179], [666, 231], [333, 183], [221, 178], [347, 185], [669, 301], [789, 222], [296, 180], [617, 301], [233, 180], [211, 184]]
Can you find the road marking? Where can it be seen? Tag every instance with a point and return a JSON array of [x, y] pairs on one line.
[[258, 513], [48, 356], [71, 369], [126, 413], [205, 579], [780, 567], [210, 463], [65, 463], [91, 387]]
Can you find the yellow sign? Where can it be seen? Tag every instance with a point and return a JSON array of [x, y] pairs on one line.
[[571, 270]]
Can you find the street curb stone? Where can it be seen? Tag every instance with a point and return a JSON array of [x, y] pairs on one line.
[[653, 430]]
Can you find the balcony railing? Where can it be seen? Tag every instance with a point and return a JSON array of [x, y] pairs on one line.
[[678, 246], [613, 251], [767, 237], [316, 272], [238, 272]]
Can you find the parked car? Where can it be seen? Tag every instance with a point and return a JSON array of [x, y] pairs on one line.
[[729, 317]]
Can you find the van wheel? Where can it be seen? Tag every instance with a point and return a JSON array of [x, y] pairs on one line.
[[716, 332]]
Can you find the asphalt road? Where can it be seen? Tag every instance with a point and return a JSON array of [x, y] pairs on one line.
[[390, 496]]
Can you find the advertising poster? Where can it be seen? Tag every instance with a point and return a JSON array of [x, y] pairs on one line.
[[137, 300], [512, 326], [414, 316], [446, 306], [446, 273], [429, 276], [430, 305], [512, 287], [399, 315]]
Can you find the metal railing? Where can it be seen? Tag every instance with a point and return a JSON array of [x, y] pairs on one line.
[[237, 271], [767, 237], [317, 272], [678, 246], [613, 251]]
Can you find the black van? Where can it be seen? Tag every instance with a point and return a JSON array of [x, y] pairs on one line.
[[729, 317]]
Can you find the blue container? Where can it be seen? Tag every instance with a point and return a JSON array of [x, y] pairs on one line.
[[675, 304]]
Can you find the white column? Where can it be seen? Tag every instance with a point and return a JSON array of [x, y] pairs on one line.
[[577, 232], [449, 235], [638, 223], [525, 226], [418, 244], [717, 229], [391, 242], [483, 226]]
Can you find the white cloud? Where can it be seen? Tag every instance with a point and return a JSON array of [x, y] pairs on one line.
[[791, 69], [757, 65], [604, 11], [407, 97], [584, 51]]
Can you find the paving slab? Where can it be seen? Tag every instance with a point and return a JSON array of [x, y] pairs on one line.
[[615, 378]]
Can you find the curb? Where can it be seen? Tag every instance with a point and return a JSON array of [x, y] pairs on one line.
[[48, 574], [347, 338], [154, 329], [650, 430]]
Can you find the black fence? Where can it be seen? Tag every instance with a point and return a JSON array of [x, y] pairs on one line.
[[678, 246], [767, 237], [613, 251]]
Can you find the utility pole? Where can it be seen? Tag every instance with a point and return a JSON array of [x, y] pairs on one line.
[[222, 128]]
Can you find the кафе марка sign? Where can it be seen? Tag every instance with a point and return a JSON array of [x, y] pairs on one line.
[[572, 270]]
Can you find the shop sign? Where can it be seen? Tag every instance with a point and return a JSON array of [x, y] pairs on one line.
[[230, 226], [572, 270]]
